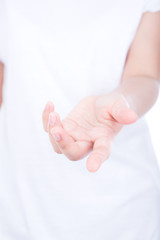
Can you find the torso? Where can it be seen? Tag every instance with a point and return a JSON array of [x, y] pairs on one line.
[[64, 51]]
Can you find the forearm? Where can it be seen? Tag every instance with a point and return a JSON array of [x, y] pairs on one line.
[[140, 92]]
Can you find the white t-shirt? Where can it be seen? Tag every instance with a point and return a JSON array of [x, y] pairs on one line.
[[63, 51]]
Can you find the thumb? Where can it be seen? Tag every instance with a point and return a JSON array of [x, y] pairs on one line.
[[122, 112]]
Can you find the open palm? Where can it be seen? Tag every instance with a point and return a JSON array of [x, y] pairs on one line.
[[89, 128]]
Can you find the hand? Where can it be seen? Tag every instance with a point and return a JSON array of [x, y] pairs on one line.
[[89, 128]]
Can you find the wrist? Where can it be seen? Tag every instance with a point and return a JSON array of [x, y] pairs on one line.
[[140, 93], [114, 106]]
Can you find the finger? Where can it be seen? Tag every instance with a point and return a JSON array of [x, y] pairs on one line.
[[101, 151], [45, 115], [53, 121], [54, 145], [122, 112], [73, 149], [125, 115]]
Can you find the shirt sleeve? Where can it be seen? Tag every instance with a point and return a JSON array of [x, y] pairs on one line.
[[151, 6]]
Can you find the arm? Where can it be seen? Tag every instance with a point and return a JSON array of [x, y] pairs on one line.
[[1, 82], [94, 122], [141, 76]]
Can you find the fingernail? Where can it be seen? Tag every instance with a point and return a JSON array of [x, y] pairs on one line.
[[57, 137], [52, 119]]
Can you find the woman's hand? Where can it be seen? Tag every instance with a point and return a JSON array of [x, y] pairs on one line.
[[89, 128]]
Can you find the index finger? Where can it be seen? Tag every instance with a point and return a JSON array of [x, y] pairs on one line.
[[45, 115]]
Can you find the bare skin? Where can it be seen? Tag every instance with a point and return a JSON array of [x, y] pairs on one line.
[[92, 125], [89, 128]]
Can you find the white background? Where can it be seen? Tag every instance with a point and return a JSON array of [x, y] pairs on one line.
[[153, 118]]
